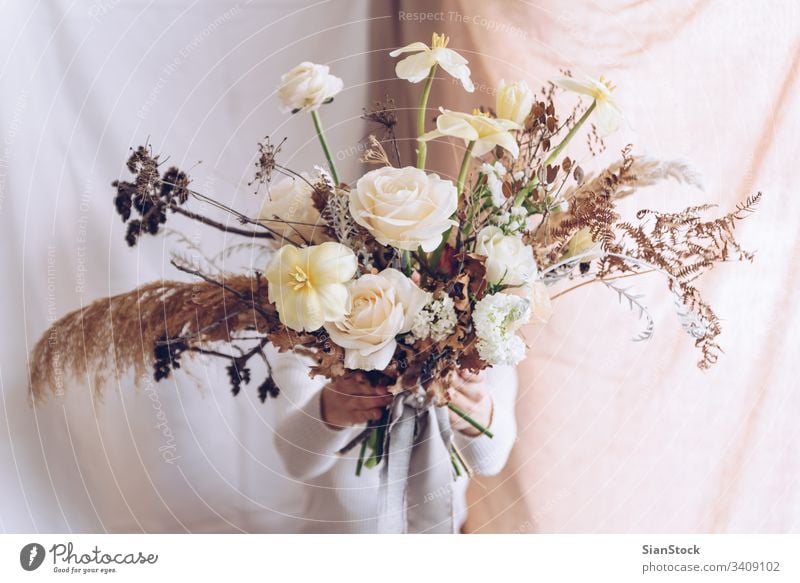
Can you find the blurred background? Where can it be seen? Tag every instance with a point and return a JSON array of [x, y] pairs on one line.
[[614, 436]]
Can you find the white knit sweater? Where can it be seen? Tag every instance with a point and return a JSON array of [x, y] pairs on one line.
[[338, 501]]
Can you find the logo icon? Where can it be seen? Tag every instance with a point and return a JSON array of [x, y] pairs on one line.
[[31, 556]]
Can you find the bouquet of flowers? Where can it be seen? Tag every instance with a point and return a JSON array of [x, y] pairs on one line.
[[404, 276]]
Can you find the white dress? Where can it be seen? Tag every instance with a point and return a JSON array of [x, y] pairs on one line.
[[337, 500]]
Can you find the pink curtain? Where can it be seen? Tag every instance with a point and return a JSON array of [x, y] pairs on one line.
[[616, 436]]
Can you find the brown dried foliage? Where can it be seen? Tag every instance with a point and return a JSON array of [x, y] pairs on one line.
[[157, 322], [681, 245]]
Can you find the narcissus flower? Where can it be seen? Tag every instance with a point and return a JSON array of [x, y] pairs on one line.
[[415, 68], [487, 132], [607, 115], [307, 285]]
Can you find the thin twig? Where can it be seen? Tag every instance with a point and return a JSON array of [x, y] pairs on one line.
[[598, 279]]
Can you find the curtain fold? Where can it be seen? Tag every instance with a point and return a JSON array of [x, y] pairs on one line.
[[616, 436]]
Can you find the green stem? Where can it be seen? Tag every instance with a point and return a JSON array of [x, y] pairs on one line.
[[554, 154], [454, 461], [461, 413], [361, 454], [571, 134], [462, 173], [422, 147], [462, 177], [324, 143], [406, 257]]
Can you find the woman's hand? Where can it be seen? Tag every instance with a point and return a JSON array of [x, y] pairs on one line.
[[351, 400], [469, 393]]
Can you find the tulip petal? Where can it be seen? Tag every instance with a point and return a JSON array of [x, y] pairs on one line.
[[607, 117], [455, 65], [299, 310], [456, 126], [416, 67], [331, 263], [413, 47], [431, 135], [571, 84], [508, 142], [333, 299]]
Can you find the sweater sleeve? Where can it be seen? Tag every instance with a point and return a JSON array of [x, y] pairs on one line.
[[307, 446], [487, 456]]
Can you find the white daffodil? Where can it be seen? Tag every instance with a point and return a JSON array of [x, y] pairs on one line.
[[415, 68], [607, 114], [307, 285], [487, 132]]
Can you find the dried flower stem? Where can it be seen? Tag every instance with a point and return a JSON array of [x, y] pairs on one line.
[[554, 154], [571, 134], [222, 227], [598, 279]]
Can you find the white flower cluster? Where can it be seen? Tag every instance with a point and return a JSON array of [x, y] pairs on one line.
[[497, 318], [437, 320], [511, 222], [494, 181]]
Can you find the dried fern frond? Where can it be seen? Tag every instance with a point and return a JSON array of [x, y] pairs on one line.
[[636, 305], [648, 172]]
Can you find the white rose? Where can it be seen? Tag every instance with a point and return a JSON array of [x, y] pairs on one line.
[[508, 260], [381, 307], [404, 207], [307, 86], [514, 101], [290, 200]]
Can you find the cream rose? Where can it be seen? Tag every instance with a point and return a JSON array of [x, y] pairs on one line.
[[381, 307], [508, 260], [290, 200], [404, 207], [306, 87], [514, 101]]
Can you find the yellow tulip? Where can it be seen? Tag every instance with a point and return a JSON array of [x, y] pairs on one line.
[[307, 284], [487, 132], [417, 67], [514, 101], [607, 115]]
